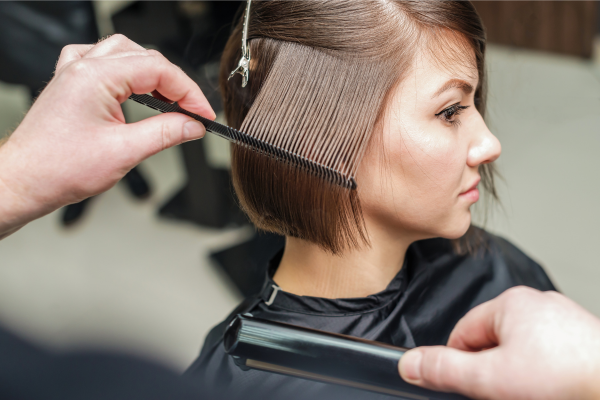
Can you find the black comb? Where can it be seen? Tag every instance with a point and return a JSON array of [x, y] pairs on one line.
[[257, 145]]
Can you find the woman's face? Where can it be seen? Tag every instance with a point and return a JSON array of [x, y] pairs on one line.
[[420, 178]]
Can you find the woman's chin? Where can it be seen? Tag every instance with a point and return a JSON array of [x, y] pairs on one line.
[[457, 228]]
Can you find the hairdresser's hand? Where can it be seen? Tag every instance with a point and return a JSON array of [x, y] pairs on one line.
[[524, 344], [74, 142]]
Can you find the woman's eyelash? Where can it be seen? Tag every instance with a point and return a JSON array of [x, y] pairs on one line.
[[448, 114]]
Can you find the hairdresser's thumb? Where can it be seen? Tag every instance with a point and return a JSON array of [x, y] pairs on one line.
[[152, 135], [444, 369]]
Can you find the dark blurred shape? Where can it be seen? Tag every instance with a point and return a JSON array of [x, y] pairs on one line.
[[207, 198], [210, 34], [137, 184], [563, 27], [72, 213], [32, 35], [135, 181], [246, 264], [156, 23], [28, 372]]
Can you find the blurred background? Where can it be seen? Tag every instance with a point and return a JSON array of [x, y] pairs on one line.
[[150, 266]]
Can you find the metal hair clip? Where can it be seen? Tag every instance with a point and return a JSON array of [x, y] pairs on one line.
[[244, 62]]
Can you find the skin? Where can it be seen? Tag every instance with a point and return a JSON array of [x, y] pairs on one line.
[[413, 194], [74, 142]]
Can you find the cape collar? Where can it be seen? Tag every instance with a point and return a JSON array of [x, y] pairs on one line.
[[276, 298]]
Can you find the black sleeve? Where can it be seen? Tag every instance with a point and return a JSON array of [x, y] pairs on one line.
[[30, 373]]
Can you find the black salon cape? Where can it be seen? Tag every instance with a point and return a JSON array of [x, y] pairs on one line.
[[420, 306]]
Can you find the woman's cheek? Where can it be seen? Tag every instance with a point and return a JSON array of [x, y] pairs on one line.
[[433, 161], [447, 161]]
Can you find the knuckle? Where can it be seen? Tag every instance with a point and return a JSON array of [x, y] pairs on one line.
[[67, 50], [553, 294], [78, 68], [433, 368], [118, 38], [518, 290], [165, 136], [555, 297], [516, 295], [156, 53]]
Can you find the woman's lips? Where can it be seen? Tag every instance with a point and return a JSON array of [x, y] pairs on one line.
[[472, 194]]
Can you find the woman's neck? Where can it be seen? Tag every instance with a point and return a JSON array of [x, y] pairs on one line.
[[308, 270]]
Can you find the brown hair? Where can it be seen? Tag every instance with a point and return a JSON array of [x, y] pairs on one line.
[[320, 75]]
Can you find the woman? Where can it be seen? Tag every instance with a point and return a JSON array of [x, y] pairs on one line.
[[401, 85]]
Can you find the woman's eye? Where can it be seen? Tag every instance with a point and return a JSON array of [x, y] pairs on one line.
[[449, 114]]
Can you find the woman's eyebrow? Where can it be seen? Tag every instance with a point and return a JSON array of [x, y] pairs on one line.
[[454, 83]]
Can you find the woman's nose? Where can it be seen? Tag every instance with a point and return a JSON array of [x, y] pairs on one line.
[[485, 148]]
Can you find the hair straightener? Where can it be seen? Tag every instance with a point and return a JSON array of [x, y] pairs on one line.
[[321, 356], [255, 144]]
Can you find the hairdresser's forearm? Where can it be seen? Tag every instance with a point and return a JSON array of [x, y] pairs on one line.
[[8, 202], [12, 213], [17, 208], [10, 232]]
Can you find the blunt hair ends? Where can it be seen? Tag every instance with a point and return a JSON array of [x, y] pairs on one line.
[[320, 76]]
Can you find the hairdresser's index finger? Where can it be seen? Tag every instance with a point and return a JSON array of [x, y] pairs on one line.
[[144, 73], [175, 85], [113, 45]]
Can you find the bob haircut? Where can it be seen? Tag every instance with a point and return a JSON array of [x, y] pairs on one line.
[[320, 76]]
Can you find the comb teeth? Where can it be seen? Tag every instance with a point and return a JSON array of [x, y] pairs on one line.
[[258, 145]]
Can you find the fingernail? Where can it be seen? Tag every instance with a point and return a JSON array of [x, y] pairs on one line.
[[410, 366], [193, 130]]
